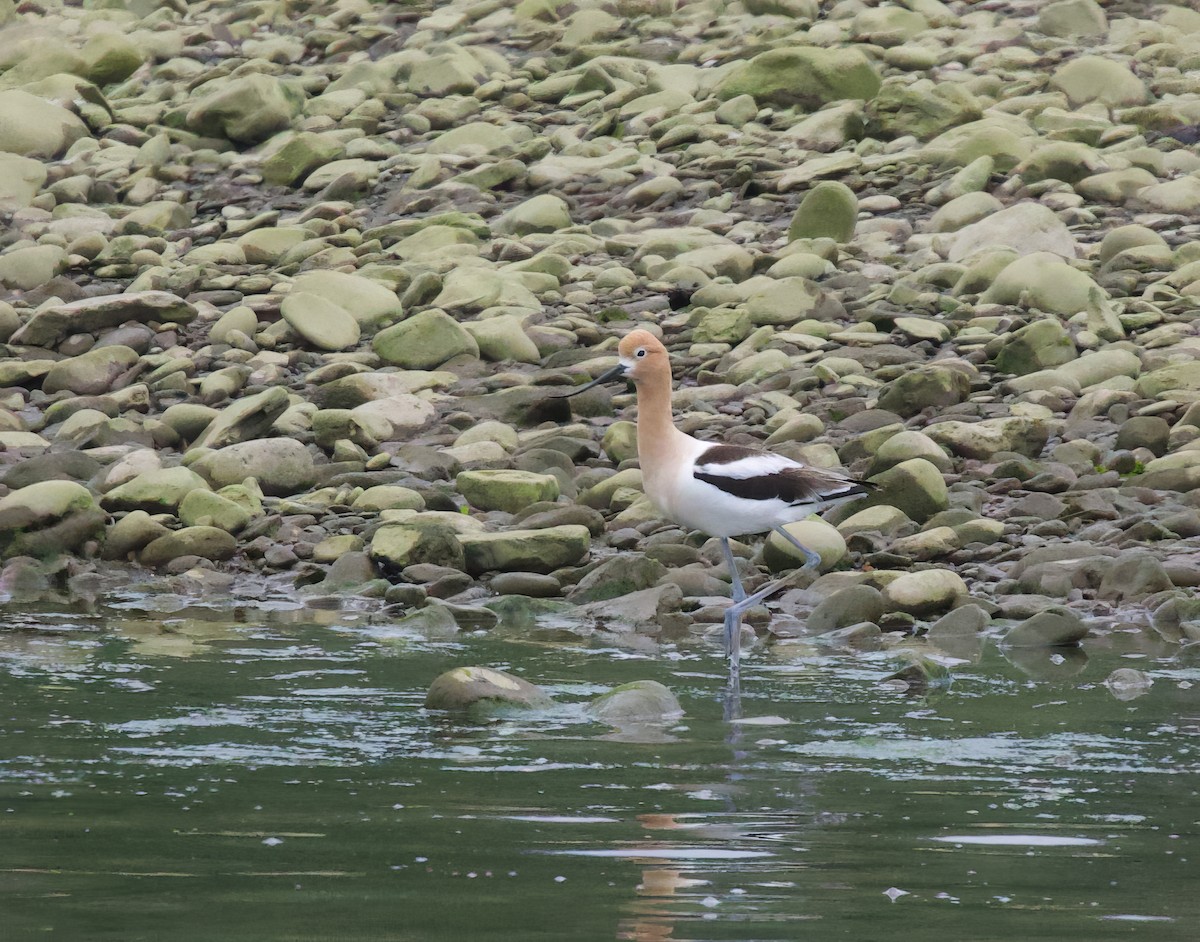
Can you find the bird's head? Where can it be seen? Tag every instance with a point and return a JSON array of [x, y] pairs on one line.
[[639, 355]]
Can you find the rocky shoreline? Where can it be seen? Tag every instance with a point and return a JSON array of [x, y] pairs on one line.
[[288, 291]]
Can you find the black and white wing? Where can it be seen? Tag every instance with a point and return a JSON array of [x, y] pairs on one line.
[[762, 476]]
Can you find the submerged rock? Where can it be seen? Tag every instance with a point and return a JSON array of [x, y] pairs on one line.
[[638, 703], [1127, 683], [1052, 628], [474, 688]]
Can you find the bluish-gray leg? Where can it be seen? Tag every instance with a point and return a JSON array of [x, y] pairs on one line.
[[811, 560], [738, 592], [733, 614], [733, 620]]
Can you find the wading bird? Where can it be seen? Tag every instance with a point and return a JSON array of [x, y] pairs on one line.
[[721, 490]]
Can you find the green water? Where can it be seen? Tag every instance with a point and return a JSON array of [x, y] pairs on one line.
[[239, 774]]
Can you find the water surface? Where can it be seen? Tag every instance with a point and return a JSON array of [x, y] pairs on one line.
[[269, 773]]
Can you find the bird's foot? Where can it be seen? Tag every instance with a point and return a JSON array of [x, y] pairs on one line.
[[733, 639]]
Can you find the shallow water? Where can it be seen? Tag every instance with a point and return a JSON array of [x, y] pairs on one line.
[[198, 773]]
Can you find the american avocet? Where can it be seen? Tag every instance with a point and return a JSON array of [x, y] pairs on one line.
[[721, 490]]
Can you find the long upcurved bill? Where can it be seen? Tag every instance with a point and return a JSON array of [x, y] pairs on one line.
[[617, 372]]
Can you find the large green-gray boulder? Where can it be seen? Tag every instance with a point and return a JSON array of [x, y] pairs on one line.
[[424, 341], [1037, 346], [1042, 281], [915, 486], [48, 518], [111, 57], [368, 301], [34, 127], [828, 210], [246, 109], [503, 338], [982, 440], [98, 371], [542, 213], [205, 542], [820, 537], [395, 546], [924, 593], [525, 550], [1071, 19], [158, 491], [1054, 627], [246, 419], [21, 178], [929, 386], [204, 508], [31, 267], [1096, 78], [507, 490], [299, 156], [281, 466], [804, 76], [322, 323], [922, 108]]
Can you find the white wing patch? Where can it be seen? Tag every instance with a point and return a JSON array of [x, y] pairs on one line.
[[758, 466]]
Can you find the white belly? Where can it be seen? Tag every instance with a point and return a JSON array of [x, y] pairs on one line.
[[700, 506]]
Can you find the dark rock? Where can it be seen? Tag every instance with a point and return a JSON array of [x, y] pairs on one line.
[[1134, 575], [1055, 627], [849, 606], [52, 466], [531, 584], [620, 575], [1144, 431]]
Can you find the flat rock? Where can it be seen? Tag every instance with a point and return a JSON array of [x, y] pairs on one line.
[[205, 542], [156, 491], [1024, 228], [508, 490], [51, 324], [93, 373], [322, 323], [34, 127], [281, 466], [525, 550], [246, 419], [634, 611], [369, 302]]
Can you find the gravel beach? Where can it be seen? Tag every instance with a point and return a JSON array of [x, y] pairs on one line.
[[289, 294]]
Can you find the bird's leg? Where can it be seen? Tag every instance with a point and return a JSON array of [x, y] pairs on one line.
[[733, 621], [738, 592], [811, 560], [733, 614]]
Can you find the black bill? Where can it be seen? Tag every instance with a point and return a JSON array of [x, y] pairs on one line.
[[617, 372]]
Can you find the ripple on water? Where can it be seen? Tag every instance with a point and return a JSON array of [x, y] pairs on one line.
[[1018, 840]]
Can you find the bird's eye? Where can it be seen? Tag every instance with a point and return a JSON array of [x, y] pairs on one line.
[[640, 352]]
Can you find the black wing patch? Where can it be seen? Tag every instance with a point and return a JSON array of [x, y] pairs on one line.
[[795, 485]]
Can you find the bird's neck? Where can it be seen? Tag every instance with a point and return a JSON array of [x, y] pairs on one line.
[[655, 425]]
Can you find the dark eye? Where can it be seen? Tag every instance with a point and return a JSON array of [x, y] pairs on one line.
[[640, 352]]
